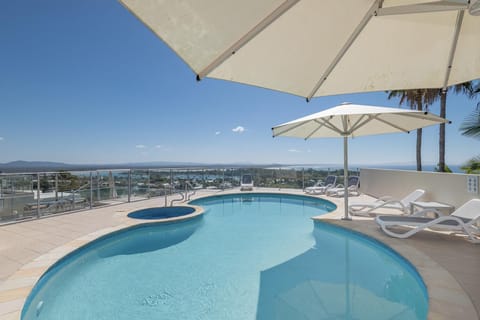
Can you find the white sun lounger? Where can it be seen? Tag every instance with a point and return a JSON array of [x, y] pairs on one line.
[[317, 184], [246, 182], [403, 205], [323, 187], [463, 220], [339, 190]]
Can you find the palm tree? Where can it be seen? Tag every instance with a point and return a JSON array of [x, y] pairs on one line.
[[471, 128], [466, 88], [476, 88], [418, 99], [472, 166]]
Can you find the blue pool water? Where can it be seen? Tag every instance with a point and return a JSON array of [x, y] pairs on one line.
[[161, 212], [248, 257]]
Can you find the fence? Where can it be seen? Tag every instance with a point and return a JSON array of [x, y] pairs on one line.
[[35, 195]]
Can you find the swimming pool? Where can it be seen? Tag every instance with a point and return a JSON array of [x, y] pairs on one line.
[[161, 213], [250, 256]]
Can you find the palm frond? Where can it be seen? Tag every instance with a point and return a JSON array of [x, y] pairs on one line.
[[470, 89], [472, 166], [471, 125]]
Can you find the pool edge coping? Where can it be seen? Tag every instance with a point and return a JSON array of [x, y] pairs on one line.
[[198, 210], [440, 306]]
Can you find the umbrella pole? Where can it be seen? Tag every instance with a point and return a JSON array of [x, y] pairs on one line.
[[345, 177]]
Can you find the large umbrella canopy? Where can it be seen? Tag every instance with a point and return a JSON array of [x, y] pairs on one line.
[[312, 48], [352, 120]]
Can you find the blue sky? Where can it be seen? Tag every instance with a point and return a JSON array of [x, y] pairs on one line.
[[86, 82]]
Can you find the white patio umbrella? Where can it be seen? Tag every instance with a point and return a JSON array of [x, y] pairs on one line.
[[352, 120], [322, 47]]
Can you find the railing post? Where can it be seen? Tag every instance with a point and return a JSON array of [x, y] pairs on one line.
[[73, 199], [129, 184], [165, 192], [56, 186], [303, 178], [98, 186], [38, 195], [91, 190], [223, 179], [148, 183]]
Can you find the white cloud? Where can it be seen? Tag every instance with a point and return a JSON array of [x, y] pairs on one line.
[[238, 129], [158, 146], [140, 146], [293, 150], [1, 139], [217, 133]]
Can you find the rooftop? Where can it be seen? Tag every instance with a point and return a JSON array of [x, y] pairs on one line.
[[28, 249]]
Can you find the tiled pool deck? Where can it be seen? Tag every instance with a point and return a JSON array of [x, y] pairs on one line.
[[449, 265]]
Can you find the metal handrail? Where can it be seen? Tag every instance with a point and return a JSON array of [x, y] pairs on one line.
[[193, 191], [185, 194], [179, 200]]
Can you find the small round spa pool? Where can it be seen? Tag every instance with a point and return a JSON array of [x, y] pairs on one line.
[[161, 213]]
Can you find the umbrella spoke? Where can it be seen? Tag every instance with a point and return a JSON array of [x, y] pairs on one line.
[[453, 47], [421, 115], [359, 124], [436, 6], [331, 126], [377, 117], [345, 47], [321, 124], [247, 37], [288, 129], [315, 130]]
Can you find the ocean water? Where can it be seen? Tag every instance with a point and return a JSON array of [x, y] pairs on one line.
[[353, 167]]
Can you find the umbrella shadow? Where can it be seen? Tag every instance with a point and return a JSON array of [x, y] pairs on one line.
[[332, 281]]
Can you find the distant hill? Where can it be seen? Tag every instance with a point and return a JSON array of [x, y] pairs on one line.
[[28, 166], [47, 166], [35, 166], [39, 166]]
